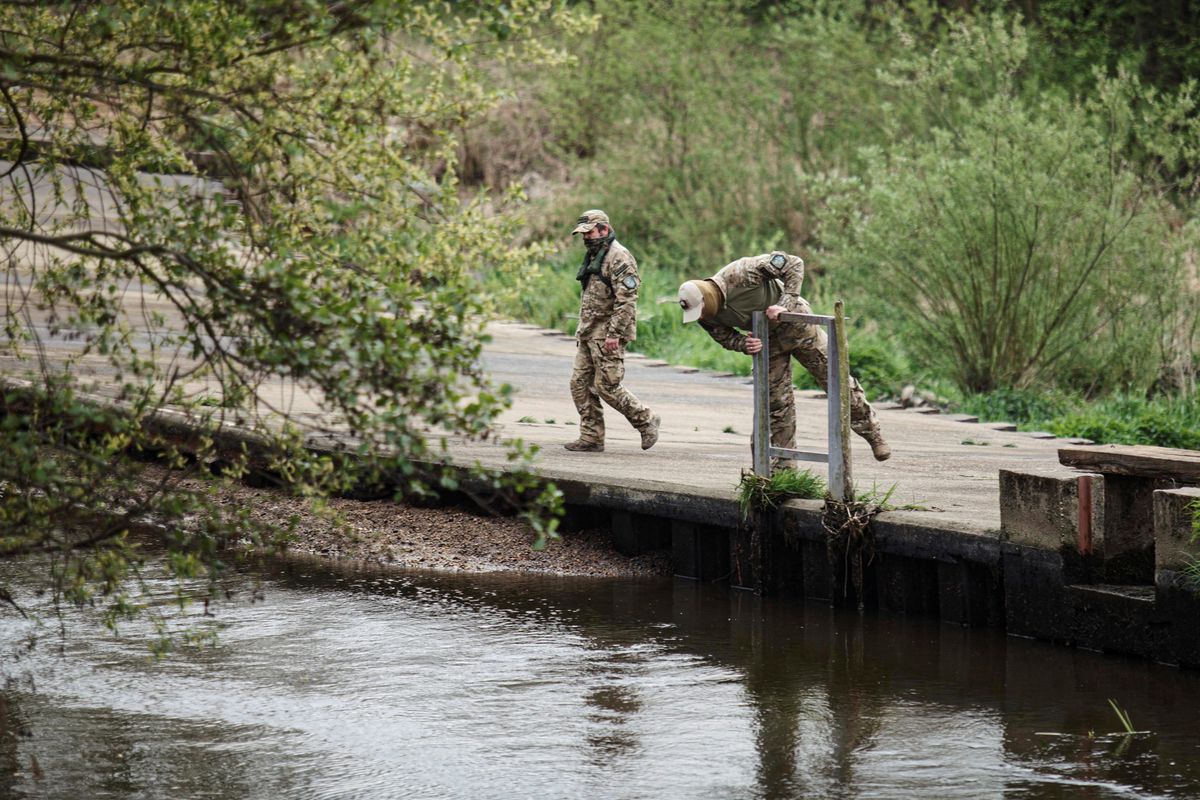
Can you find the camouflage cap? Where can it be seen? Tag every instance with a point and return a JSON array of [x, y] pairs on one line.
[[590, 219]]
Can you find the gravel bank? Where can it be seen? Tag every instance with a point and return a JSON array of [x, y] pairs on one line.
[[442, 538]]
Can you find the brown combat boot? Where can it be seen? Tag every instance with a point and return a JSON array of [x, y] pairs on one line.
[[650, 432], [879, 448], [580, 446]]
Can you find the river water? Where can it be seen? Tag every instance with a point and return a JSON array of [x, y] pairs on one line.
[[361, 683]]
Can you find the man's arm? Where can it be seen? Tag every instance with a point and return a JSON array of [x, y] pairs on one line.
[[790, 271], [625, 285], [725, 336]]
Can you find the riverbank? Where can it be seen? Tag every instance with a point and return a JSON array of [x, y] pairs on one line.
[[445, 538]]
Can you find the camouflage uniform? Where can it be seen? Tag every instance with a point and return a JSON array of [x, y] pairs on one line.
[[608, 309], [754, 283]]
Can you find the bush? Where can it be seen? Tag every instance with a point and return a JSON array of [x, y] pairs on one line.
[[1013, 240], [1015, 405]]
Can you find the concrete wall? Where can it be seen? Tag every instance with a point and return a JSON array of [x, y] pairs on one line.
[[1033, 577]]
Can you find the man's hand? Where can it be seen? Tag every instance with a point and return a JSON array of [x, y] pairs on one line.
[[612, 345], [753, 344], [773, 312]]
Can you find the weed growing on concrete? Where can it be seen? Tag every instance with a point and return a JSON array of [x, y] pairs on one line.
[[802, 483], [549, 421], [882, 500], [527, 418], [728, 429], [756, 491], [873, 497]]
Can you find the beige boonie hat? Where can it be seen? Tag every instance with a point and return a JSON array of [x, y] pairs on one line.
[[590, 219], [691, 300]]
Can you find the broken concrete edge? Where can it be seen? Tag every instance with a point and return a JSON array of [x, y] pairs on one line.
[[1174, 514], [1041, 508]]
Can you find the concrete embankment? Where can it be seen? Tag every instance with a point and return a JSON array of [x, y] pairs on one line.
[[1058, 568]]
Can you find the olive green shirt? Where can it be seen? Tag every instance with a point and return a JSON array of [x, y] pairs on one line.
[[752, 284]]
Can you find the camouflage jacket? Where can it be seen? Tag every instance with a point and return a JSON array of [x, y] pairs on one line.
[[608, 307], [752, 284]]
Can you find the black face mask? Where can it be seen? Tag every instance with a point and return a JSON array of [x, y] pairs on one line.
[[593, 259], [595, 244]]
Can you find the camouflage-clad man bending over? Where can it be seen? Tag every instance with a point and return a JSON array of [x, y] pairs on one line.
[[607, 321], [771, 283]]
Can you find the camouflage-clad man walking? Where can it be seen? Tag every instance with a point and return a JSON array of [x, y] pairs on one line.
[[771, 283], [607, 321]]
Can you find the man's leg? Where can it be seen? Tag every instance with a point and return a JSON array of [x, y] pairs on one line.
[[587, 401], [781, 403], [610, 371], [809, 345]]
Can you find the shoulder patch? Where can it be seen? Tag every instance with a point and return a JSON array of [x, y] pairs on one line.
[[630, 282], [777, 261]]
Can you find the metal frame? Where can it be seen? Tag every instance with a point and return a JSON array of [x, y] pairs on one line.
[[838, 379]]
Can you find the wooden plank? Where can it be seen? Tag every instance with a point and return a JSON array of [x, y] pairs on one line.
[[1137, 460]]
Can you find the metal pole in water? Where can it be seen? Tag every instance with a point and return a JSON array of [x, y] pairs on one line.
[[762, 413]]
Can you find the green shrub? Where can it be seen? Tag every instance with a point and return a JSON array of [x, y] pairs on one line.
[[1016, 405], [1010, 242]]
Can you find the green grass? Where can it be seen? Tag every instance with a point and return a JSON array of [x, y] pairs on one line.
[[883, 499], [1119, 419], [784, 484]]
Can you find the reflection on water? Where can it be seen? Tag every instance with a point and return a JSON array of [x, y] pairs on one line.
[[379, 684]]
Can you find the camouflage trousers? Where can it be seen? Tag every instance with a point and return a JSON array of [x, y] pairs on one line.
[[597, 376], [808, 345]]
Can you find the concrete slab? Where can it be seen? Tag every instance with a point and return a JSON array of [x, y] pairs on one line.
[[1042, 508], [930, 466]]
